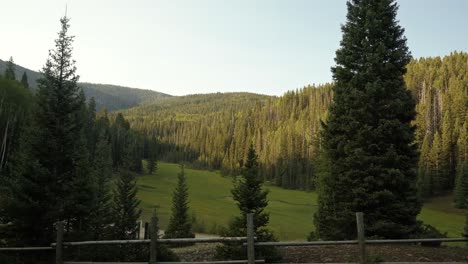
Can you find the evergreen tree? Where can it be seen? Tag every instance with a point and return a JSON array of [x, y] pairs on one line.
[[24, 80], [119, 131], [151, 164], [92, 133], [102, 167], [435, 168], [250, 198], [58, 185], [425, 178], [152, 153], [10, 71], [15, 134], [125, 209], [461, 185], [368, 136], [179, 224]]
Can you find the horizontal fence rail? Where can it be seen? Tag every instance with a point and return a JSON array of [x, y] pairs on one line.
[[248, 241], [26, 248], [199, 262], [160, 241], [351, 242]]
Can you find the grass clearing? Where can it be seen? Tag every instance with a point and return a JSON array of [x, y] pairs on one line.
[[291, 211]]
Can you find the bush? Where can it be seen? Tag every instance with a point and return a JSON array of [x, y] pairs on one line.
[[198, 225], [312, 236], [218, 229], [428, 231]]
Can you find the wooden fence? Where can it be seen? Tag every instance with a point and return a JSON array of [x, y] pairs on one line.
[[249, 242]]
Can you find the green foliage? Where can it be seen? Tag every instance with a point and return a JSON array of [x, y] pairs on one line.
[[125, 208], [101, 216], [15, 104], [428, 231], [180, 225], [465, 230], [151, 164], [56, 183], [440, 87], [112, 97], [10, 72], [215, 130], [368, 137], [24, 80], [290, 210], [198, 225], [250, 199], [461, 185]]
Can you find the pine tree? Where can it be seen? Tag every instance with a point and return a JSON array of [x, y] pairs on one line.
[[250, 198], [58, 180], [425, 179], [125, 209], [102, 207], [10, 71], [179, 224], [447, 155], [368, 136], [15, 134], [151, 164], [436, 169], [24, 80], [152, 153], [461, 185]]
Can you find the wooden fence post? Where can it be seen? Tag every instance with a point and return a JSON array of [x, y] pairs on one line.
[[361, 237], [250, 239], [59, 244], [154, 238]]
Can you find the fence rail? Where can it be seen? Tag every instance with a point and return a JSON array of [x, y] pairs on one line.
[[200, 262], [161, 241], [355, 242], [249, 242], [26, 248]]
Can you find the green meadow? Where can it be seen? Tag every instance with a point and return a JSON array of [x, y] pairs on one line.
[[291, 211]]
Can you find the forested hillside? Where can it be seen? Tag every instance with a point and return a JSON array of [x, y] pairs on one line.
[[214, 130], [440, 86], [112, 97]]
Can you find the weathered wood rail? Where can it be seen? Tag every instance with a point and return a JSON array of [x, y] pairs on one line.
[[362, 242], [249, 241]]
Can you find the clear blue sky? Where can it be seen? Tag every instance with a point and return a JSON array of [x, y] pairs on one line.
[[201, 46]]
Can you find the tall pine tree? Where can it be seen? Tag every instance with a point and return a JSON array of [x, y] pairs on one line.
[[125, 207], [58, 186], [179, 224], [368, 137], [251, 198]]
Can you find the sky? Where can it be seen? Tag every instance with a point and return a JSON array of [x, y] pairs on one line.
[[183, 47]]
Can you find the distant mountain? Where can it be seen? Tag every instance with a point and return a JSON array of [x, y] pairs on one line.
[[113, 97], [195, 106]]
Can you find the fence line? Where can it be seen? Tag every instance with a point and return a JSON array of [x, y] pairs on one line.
[[249, 243], [199, 262], [26, 248], [161, 241]]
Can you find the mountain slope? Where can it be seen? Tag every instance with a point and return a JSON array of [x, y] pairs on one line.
[[113, 97], [214, 131]]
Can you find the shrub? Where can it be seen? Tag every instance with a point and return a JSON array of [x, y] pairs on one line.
[[428, 231]]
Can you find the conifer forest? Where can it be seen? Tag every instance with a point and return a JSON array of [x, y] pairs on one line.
[[385, 135]]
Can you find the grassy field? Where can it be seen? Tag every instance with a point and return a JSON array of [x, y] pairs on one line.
[[290, 211]]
